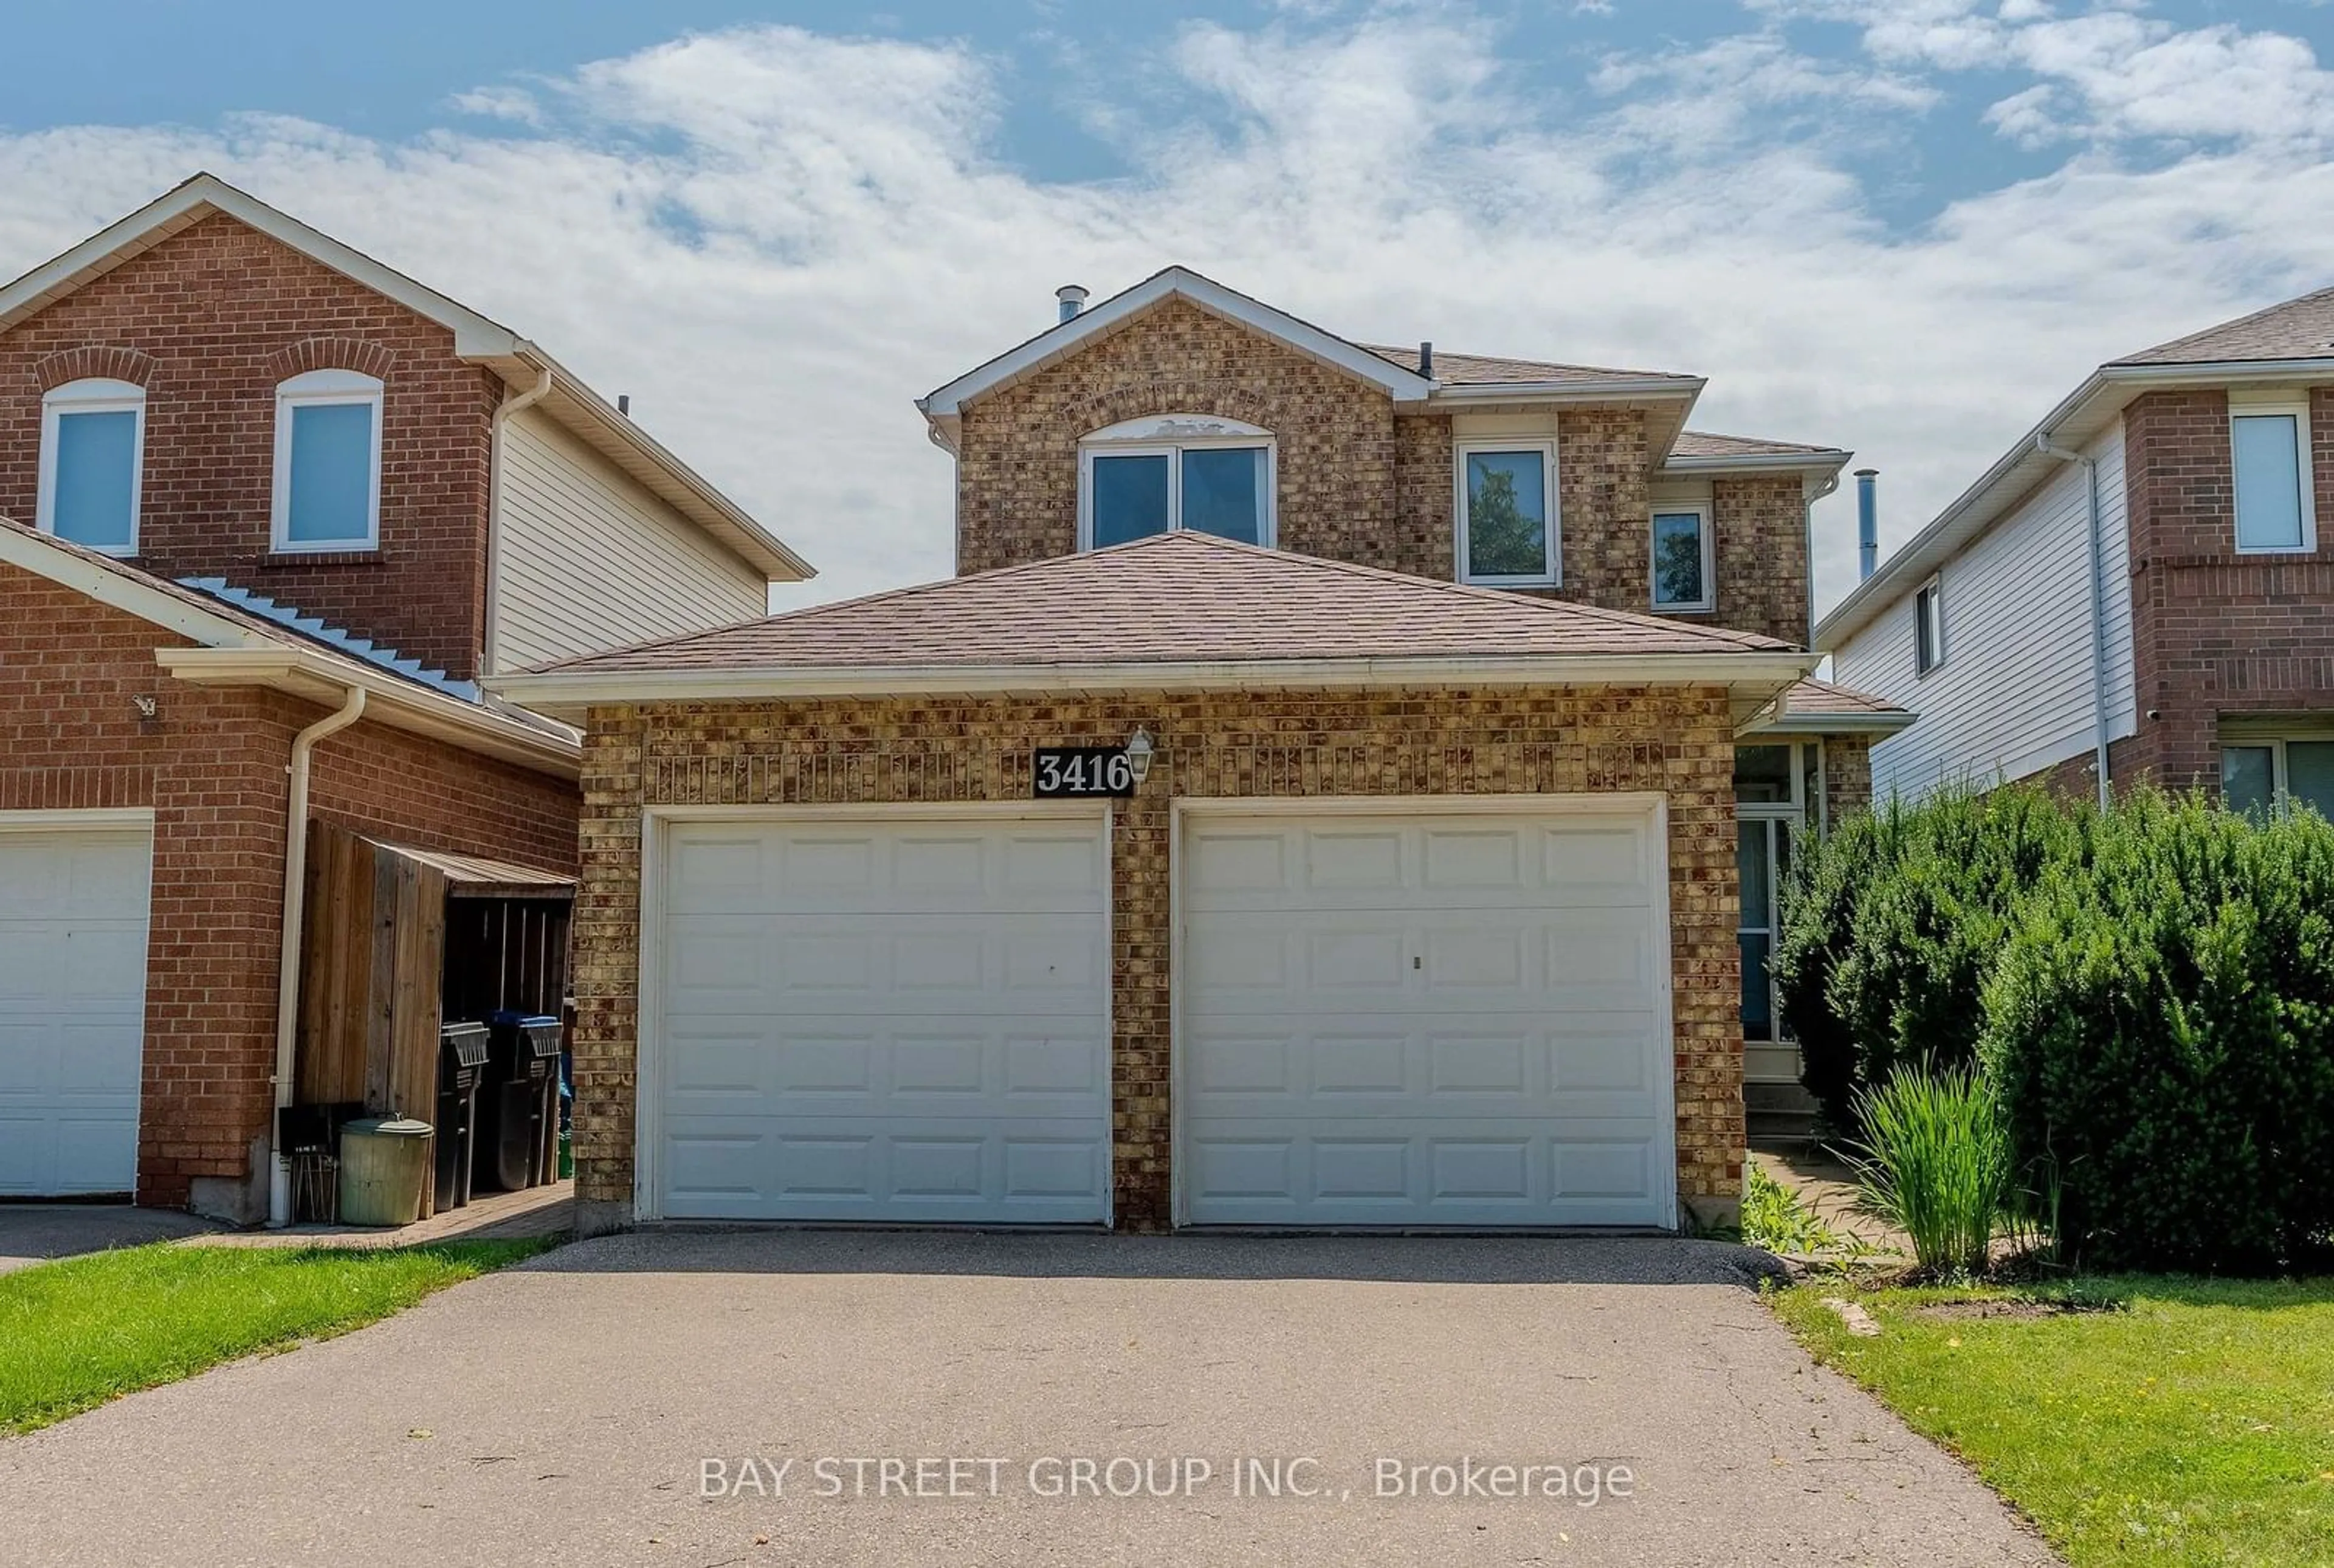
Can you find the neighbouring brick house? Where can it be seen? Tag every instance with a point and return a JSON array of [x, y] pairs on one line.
[[1321, 799], [2142, 579], [262, 488]]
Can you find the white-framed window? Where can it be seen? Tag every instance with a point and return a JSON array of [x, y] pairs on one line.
[[1170, 471], [2268, 445], [1929, 625], [1508, 529], [1685, 566], [2264, 772], [93, 461], [327, 462]]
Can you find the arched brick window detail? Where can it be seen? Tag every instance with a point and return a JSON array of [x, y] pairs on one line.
[[330, 354], [94, 362]]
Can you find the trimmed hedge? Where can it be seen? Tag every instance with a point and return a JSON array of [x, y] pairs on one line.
[[2150, 992], [2160, 1029], [1893, 925]]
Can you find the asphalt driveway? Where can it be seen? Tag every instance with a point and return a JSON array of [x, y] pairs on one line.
[[573, 1410]]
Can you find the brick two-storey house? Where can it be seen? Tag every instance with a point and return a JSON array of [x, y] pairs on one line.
[[268, 510], [1392, 875], [2140, 589]]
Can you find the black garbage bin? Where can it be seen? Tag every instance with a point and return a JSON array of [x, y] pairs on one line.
[[461, 1063], [519, 1101]]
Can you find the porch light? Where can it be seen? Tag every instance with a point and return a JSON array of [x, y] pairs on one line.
[[1138, 753]]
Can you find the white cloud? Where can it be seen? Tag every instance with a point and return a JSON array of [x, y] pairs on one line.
[[774, 240]]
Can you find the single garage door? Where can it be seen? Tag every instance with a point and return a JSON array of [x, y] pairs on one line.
[[1426, 1020], [73, 1006], [885, 1019]]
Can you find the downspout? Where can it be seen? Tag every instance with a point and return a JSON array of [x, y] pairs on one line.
[[503, 411], [2044, 445], [287, 971], [1807, 541]]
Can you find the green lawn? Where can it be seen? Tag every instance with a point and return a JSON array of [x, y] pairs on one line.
[[77, 1332], [2194, 1424]]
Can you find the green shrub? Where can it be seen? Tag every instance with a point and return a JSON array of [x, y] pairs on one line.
[[2161, 1031], [1891, 925], [1936, 1163], [1774, 1217]]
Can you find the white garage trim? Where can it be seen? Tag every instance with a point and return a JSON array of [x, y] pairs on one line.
[[656, 823], [1652, 804], [117, 825]]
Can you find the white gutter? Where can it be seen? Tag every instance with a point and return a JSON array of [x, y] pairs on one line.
[[1760, 462], [1808, 535], [287, 973], [1670, 388], [552, 690], [2044, 445], [318, 677], [497, 478]]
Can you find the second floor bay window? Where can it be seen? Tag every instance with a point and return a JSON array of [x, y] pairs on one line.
[[2269, 452], [1173, 471]]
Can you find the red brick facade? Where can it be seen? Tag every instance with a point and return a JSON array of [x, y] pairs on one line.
[[1356, 481], [2215, 633], [209, 322], [211, 764]]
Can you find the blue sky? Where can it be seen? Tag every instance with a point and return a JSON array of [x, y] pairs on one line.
[[1903, 226]]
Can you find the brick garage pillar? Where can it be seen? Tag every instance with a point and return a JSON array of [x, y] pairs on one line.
[[206, 1092]]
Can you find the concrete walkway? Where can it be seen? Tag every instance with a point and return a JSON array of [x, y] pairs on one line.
[[33, 1232], [1829, 1191], [546, 1210], [571, 1409]]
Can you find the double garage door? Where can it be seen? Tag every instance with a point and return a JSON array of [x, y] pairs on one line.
[[1421, 1020], [73, 1005]]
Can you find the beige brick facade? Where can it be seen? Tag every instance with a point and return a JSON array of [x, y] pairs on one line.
[[1357, 481], [1276, 744]]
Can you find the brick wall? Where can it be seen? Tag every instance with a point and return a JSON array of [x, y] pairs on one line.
[[218, 911], [1847, 776], [70, 736], [2214, 632], [1272, 745], [209, 322], [1356, 481]]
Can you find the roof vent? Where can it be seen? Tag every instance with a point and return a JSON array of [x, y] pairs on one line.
[[1868, 522], [624, 404], [1426, 360], [1073, 298]]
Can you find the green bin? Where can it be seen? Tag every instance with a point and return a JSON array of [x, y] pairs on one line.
[[384, 1162]]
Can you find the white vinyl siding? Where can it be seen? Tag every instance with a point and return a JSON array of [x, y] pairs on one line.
[[588, 559], [2013, 694]]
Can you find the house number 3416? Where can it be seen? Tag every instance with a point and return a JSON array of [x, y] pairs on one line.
[[1072, 771]]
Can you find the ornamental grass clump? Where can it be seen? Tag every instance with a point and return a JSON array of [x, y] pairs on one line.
[[1935, 1161]]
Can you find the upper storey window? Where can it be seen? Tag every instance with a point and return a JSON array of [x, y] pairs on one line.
[[92, 449], [328, 462], [1175, 471], [1507, 514], [1682, 558], [2270, 447]]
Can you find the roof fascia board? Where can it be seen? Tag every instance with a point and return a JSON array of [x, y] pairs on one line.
[[553, 692], [1831, 724], [474, 336], [388, 699], [1015, 364], [36, 553], [2078, 415], [1762, 462]]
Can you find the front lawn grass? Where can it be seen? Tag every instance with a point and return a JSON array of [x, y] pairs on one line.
[[2191, 1423], [77, 1332]]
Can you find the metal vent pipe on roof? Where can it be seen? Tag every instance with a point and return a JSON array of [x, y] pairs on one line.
[[1073, 298], [1426, 360], [1868, 522]]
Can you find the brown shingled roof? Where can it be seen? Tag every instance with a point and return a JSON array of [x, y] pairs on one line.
[[1703, 444], [1481, 369], [1811, 696], [1172, 599], [2300, 329]]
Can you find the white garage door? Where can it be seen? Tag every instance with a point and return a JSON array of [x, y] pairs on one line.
[[885, 1019], [1454, 1020], [73, 1008]]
